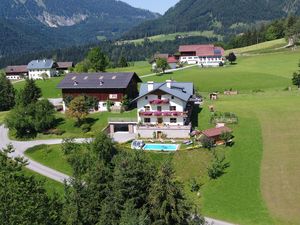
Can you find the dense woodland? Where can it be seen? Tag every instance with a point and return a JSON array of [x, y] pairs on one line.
[[223, 17], [132, 52], [110, 186]]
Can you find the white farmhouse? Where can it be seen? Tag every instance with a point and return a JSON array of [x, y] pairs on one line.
[[38, 68], [164, 109], [203, 55]]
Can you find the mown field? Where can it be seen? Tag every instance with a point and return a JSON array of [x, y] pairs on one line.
[[261, 186], [170, 37]]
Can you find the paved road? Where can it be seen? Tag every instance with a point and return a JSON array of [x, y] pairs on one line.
[[22, 146]]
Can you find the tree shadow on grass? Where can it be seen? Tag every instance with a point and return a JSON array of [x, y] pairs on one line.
[[90, 121], [194, 117], [58, 121]]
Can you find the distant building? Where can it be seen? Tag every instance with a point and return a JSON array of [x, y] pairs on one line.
[[64, 67], [204, 55], [165, 109], [38, 68], [16, 72], [172, 60], [102, 86]]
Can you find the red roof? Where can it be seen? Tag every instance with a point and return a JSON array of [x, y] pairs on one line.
[[65, 65], [16, 69], [214, 132], [202, 50], [172, 59]]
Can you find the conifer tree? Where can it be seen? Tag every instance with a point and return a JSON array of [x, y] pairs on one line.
[[7, 93]]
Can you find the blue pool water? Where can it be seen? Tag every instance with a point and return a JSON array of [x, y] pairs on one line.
[[160, 147]]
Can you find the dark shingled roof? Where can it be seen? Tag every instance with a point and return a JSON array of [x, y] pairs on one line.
[[97, 80], [16, 69]]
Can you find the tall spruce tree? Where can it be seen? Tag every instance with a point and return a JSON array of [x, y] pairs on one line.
[[30, 93], [7, 93], [23, 199], [168, 204], [98, 60]]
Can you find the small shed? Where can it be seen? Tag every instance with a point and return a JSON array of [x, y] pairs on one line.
[[215, 133]]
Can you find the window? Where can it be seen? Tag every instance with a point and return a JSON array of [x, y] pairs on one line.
[[146, 97], [173, 120], [147, 120], [159, 108], [113, 96], [172, 108], [147, 108], [172, 97], [159, 96]]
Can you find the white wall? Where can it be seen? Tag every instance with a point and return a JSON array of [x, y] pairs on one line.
[[180, 107], [202, 60], [37, 73]]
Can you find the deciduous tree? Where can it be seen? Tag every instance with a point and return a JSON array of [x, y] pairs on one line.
[[162, 64], [78, 109]]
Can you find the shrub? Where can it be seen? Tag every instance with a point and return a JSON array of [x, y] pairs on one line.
[[195, 187], [218, 166], [207, 142], [227, 117]]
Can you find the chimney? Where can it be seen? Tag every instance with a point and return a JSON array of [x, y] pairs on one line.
[[168, 82], [150, 85]]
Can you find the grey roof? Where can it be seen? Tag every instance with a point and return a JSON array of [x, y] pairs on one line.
[[97, 80], [41, 64], [181, 90]]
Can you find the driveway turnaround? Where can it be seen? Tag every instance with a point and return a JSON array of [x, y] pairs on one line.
[[21, 146]]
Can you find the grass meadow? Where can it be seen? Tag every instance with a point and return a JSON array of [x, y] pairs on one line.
[[261, 186]]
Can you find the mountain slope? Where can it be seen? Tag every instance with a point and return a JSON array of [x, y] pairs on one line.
[[27, 25], [223, 16]]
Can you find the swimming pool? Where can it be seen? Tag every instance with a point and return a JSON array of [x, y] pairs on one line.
[[161, 147]]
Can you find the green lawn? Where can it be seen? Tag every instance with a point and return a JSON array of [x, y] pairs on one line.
[[265, 72], [51, 156], [98, 122], [48, 87], [2, 116], [140, 68]]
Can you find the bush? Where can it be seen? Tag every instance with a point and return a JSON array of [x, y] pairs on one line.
[[227, 117], [195, 187], [207, 142], [218, 166], [86, 127]]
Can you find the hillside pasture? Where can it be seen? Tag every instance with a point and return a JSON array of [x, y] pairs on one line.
[[173, 36], [251, 73], [261, 47]]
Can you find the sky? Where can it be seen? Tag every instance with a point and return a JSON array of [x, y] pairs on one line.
[[160, 6]]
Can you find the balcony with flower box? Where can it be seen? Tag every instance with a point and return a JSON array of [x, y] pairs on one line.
[[159, 101], [164, 113]]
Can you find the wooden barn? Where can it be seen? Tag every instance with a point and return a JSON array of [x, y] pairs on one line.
[[102, 86]]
